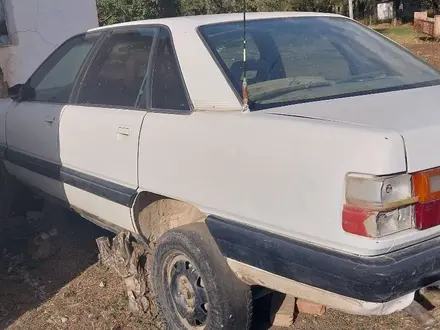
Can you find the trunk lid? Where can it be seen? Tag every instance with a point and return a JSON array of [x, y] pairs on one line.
[[413, 113]]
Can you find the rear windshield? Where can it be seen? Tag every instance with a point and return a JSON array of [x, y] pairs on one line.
[[298, 60]]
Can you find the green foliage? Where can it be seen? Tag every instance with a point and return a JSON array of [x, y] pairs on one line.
[[196, 7], [116, 11], [316, 5]]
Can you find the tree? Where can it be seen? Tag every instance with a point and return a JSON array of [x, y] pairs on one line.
[[200, 7], [197, 7], [315, 5], [431, 5], [116, 11]]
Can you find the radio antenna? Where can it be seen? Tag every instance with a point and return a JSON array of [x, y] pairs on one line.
[[244, 84]]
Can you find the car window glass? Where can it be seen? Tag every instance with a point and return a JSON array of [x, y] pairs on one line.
[[168, 90], [315, 58], [116, 74], [53, 81], [230, 49], [305, 56]]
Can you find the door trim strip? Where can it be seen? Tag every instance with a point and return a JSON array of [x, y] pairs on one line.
[[103, 188]]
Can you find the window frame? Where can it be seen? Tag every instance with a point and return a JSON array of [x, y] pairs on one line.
[[108, 32], [78, 75], [147, 82]]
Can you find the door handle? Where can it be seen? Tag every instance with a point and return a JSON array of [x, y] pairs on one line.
[[49, 119], [124, 131]]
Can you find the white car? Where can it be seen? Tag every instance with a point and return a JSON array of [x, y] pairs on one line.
[[325, 187]]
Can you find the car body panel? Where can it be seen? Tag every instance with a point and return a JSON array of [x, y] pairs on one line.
[[97, 138], [32, 130], [108, 139], [413, 113], [281, 173]]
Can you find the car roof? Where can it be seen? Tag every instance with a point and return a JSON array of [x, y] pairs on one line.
[[199, 20]]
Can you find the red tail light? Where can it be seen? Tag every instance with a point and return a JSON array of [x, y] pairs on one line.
[[428, 214], [355, 220]]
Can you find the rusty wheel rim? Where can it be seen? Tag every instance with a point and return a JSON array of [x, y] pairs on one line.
[[188, 292]]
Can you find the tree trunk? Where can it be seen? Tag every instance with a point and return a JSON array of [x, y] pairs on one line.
[[131, 261]]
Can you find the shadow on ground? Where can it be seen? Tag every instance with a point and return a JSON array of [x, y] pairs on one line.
[[41, 250]]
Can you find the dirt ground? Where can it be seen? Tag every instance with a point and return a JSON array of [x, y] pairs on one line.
[[50, 278], [427, 51]]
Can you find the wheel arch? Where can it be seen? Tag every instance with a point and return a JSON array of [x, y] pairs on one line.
[[154, 214]]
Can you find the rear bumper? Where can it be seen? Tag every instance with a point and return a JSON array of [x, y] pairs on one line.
[[371, 279]]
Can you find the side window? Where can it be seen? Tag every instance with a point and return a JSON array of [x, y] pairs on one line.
[[168, 90], [116, 75], [53, 81]]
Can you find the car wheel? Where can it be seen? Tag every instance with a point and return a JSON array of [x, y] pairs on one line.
[[194, 285]]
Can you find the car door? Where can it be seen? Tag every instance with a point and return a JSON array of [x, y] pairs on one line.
[[99, 133], [32, 123]]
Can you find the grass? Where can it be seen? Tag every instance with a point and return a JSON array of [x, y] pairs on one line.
[[403, 34], [405, 31]]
